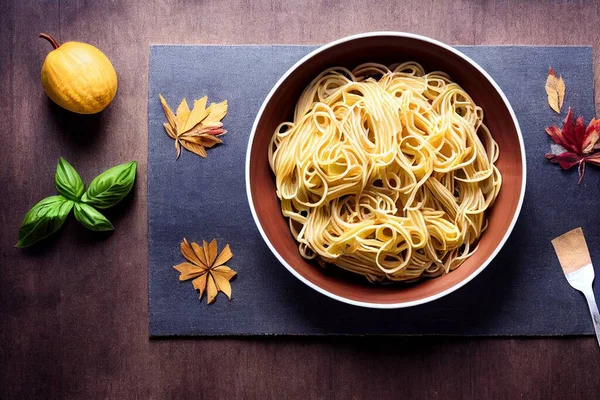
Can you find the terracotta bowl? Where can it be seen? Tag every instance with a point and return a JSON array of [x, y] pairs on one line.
[[386, 48]]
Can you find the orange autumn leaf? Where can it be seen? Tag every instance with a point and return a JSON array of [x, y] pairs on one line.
[[197, 129], [555, 89], [208, 271]]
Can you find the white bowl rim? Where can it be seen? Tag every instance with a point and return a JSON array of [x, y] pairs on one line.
[[424, 299]]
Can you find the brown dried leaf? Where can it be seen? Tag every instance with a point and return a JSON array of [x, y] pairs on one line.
[[170, 130], [199, 253], [200, 284], [210, 250], [169, 114], [225, 271], [202, 140], [213, 129], [217, 112], [210, 140], [222, 283], [189, 254], [211, 290], [198, 114], [225, 256], [195, 130], [193, 147], [188, 271], [212, 277], [183, 113], [555, 89]]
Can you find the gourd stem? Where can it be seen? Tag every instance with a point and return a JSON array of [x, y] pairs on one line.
[[50, 39]]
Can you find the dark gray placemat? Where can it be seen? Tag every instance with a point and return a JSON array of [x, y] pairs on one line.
[[522, 292]]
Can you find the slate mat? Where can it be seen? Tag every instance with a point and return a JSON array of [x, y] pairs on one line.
[[522, 292]]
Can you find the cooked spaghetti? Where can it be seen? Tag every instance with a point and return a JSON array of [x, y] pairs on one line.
[[386, 172]]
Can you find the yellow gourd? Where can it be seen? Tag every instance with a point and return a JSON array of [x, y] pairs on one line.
[[79, 77]]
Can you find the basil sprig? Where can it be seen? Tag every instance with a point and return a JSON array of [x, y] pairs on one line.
[[106, 190]]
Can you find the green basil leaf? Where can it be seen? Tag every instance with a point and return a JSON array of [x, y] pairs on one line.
[[43, 219], [111, 186], [67, 180], [40, 208], [91, 218]]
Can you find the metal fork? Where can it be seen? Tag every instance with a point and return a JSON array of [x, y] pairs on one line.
[[581, 280]]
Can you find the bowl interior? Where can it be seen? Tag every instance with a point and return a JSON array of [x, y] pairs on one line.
[[385, 49]]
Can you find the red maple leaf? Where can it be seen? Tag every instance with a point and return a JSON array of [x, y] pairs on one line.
[[580, 143]]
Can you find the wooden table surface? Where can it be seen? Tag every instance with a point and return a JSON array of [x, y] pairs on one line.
[[73, 311]]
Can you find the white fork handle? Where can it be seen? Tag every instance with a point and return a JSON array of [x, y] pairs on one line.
[[589, 296]]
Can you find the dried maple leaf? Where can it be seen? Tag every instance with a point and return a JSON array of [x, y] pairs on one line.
[[580, 143], [555, 88], [196, 129], [206, 268]]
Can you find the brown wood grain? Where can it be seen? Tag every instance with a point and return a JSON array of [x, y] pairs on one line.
[[73, 312]]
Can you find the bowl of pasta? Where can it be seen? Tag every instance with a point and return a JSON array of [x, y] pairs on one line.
[[385, 169]]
